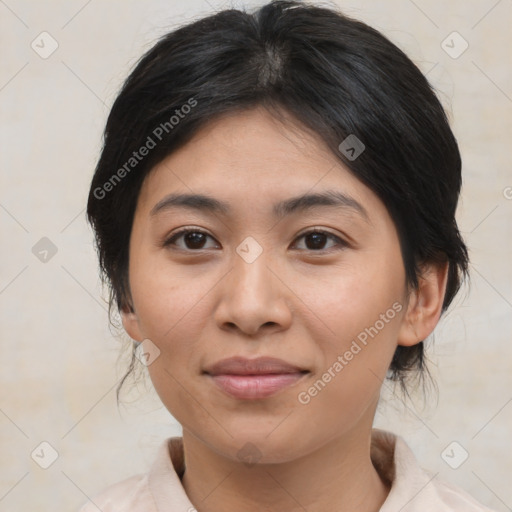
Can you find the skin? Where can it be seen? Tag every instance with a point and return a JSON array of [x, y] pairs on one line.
[[294, 301]]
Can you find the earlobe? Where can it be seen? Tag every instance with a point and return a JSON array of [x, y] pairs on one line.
[[425, 305], [131, 323]]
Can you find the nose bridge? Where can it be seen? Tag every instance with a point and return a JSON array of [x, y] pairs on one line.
[[250, 265], [252, 296]]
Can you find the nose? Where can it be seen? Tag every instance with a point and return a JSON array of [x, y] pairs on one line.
[[254, 297]]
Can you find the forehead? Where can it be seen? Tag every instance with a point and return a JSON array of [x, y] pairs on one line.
[[251, 158]]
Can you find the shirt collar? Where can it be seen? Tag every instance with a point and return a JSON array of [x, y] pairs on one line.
[[392, 458]]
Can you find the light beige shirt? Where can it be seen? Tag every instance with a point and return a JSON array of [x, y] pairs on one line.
[[412, 488]]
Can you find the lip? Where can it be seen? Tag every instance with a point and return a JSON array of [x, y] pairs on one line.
[[252, 379], [259, 366]]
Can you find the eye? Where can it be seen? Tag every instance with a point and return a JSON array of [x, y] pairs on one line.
[[318, 238], [194, 239]]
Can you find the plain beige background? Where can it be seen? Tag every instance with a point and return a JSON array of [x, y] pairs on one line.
[[59, 364]]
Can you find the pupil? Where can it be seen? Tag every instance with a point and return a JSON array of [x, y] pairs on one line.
[[195, 239], [317, 242]]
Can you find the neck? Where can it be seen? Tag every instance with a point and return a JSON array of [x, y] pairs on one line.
[[338, 476]]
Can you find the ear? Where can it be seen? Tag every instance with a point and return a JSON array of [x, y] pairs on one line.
[[131, 323], [424, 305]]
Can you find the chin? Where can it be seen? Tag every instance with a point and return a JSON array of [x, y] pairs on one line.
[[258, 446]]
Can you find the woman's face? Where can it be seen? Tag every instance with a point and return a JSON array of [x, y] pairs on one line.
[[256, 284]]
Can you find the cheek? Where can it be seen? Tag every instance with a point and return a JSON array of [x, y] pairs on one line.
[[355, 364], [352, 298], [356, 328], [174, 319], [172, 310], [169, 298]]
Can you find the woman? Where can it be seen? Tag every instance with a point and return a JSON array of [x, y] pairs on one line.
[[274, 210]]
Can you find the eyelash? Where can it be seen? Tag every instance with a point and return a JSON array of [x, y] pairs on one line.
[[170, 241]]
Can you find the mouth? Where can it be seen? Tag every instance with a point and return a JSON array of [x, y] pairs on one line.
[[253, 387], [252, 379]]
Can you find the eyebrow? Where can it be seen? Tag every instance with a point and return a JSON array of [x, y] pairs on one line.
[[306, 202]]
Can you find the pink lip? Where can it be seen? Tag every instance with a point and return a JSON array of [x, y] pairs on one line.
[[243, 366], [249, 379], [251, 387]]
